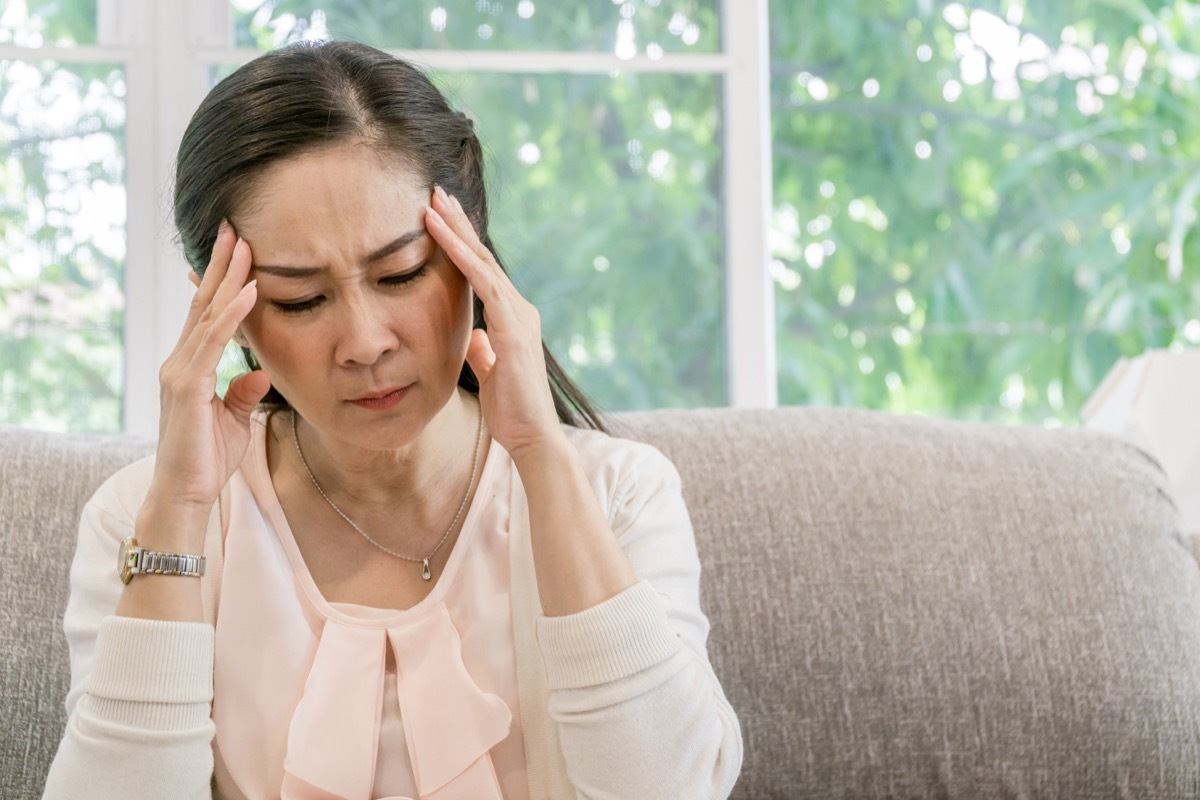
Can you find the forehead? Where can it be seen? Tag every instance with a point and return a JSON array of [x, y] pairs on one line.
[[340, 196]]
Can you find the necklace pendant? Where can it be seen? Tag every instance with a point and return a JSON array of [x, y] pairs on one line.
[[426, 574]]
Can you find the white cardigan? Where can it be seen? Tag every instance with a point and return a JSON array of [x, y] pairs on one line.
[[617, 701]]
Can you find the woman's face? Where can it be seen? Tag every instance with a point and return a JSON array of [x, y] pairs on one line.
[[362, 322]]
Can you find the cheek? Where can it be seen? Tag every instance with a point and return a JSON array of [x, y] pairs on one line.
[[456, 311], [274, 346], [251, 330], [464, 316]]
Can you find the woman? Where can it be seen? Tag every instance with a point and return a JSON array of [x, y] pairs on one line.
[[425, 572]]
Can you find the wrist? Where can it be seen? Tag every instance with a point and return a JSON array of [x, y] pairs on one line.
[[549, 452], [170, 525]]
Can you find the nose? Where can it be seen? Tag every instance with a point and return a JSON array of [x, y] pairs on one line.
[[365, 333]]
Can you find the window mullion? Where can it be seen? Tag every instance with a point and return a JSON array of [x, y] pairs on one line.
[[141, 368], [749, 292], [166, 84]]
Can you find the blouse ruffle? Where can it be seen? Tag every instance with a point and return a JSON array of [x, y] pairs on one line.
[[450, 724]]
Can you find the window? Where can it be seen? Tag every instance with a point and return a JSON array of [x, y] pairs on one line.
[[979, 207], [606, 129], [62, 224], [605, 186], [960, 209]]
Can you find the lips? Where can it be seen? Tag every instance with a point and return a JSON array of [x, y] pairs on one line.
[[383, 399]]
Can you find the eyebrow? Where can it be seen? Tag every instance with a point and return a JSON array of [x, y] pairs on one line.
[[393, 246]]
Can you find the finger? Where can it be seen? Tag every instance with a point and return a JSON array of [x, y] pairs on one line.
[[210, 337], [480, 355], [245, 392], [452, 211], [220, 297], [221, 253], [195, 307], [234, 279], [483, 279]]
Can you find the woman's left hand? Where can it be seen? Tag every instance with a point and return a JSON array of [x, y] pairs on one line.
[[507, 358]]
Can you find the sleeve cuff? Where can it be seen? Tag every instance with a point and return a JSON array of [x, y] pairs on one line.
[[615, 639], [152, 661]]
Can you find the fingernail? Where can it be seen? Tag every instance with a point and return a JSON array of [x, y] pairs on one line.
[[433, 215], [441, 193], [223, 228], [457, 205]]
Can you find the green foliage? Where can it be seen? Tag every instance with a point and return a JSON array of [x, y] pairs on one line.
[[62, 245], [53, 22], [605, 191], [1002, 275], [614, 231], [674, 25], [1044, 228]]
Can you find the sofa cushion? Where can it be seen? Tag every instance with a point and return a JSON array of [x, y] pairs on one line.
[[45, 479], [900, 607], [913, 608]]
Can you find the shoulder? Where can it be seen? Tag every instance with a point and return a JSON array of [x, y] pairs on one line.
[[123, 493], [606, 454], [621, 470]]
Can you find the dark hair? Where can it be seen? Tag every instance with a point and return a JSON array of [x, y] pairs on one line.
[[311, 95]]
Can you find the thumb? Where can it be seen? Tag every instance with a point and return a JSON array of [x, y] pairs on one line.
[[245, 392], [480, 354]]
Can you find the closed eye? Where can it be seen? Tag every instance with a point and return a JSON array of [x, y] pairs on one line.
[[312, 302], [403, 277], [300, 305]]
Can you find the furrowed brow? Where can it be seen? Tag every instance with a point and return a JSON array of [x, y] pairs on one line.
[[388, 249], [397, 245]]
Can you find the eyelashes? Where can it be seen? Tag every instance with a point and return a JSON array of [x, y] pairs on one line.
[[403, 277], [296, 308], [311, 303]]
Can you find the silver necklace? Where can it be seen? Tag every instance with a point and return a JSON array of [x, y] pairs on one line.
[[426, 573]]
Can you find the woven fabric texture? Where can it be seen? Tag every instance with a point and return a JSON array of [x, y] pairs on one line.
[[45, 479], [901, 607], [906, 608]]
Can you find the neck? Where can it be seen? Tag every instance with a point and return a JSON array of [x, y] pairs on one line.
[[414, 479]]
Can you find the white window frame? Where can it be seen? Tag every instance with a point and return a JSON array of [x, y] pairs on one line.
[[167, 49]]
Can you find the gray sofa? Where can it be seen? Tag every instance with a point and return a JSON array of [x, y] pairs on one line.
[[900, 607]]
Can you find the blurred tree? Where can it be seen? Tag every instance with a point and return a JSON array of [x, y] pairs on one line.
[[62, 216], [979, 207], [605, 190]]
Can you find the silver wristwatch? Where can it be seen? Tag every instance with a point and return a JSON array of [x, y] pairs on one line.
[[135, 560]]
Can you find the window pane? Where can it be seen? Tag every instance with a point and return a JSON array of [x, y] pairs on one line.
[[62, 245], [605, 203], [644, 27], [33, 23], [975, 215]]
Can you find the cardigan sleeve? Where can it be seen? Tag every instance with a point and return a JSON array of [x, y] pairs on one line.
[[639, 710], [139, 707]]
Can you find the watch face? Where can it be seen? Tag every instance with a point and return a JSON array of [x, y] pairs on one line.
[[123, 554]]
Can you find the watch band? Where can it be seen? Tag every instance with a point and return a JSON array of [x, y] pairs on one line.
[[136, 560], [170, 564]]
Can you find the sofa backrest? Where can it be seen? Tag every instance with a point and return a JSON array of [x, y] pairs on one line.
[[923, 609], [900, 607], [45, 479]]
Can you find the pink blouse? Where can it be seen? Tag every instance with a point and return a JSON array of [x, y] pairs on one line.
[[308, 705]]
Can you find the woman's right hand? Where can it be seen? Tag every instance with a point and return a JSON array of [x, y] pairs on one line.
[[201, 437]]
